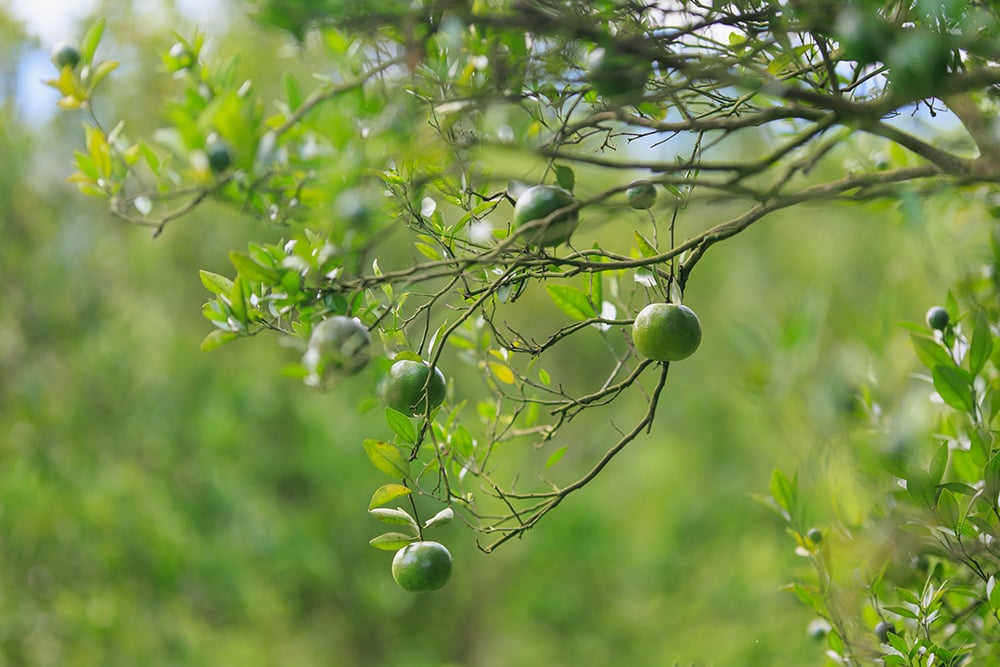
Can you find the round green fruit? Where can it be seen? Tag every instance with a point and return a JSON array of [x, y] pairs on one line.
[[619, 76], [408, 387], [539, 202], [338, 344], [65, 53], [218, 154], [937, 318], [422, 566], [815, 535], [641, 195], [666, 332]]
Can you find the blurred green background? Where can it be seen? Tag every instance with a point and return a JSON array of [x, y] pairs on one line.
[[161, 506]]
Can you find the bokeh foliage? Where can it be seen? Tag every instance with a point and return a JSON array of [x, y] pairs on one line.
[[164, 506]]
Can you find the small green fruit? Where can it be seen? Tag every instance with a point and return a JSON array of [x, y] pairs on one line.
[[666, 332], [815, 535], [422, 566], [218, 154], [539, 202], [338, 344], [408, 387], [938, 318], [65, 53], [641, 195]]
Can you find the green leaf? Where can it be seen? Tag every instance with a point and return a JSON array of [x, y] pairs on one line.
[[959, 488], [442, 518], [215, 283], [398, 516], [954, 387], [401, 425], [88, 45], [554, 458], [501, 372], [387, 493], [938, 464], [293, 96], [930, 352], [387, 458], [920, 488], [238, 301], [993, 593], [565, 177], [646, 248], [101, 71], [902, 611], [981, 346], [252, 270], [217, 338], [391, 541], [571, 301], [544, 377], [991, 476], [947, 508], [783, 491]]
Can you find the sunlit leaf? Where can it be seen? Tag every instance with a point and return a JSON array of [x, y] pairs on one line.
[[217, 338], [401, 425], [391, 541], [981, 346], [394, 516], [571, 301], [442, 518], [954, 387], [387, 458], [386, 493], [502, 372], [215, 283]]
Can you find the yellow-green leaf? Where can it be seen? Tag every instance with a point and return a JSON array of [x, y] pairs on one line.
[[387, 458], [386, 494]]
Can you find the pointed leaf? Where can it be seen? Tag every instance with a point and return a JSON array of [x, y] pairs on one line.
[[938, 464], [981, 346], [501, 372], [930, 352], [88, 46], [954, 387], [646, 248], [396, 516], [217, 338], [386, 493], [571, 301], [391, 541], [565, 177], [215, 283], [554, 458], [401, 425], [783, 491], [442, 518], [387, 458], [252, 270]]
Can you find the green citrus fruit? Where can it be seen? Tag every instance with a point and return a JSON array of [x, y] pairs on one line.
[[65, 53], [408, 386], [937, 318], [422, 566], [218, 154], [618, 75], [815, 535], [338, 344], [641, 195], [666, 332], [537, 203]]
